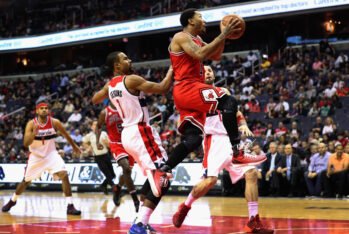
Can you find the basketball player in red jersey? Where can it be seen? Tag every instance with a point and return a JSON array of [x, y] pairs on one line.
[[218, 156], [192, 97], [140, 140], [39, 136], [110, 117]]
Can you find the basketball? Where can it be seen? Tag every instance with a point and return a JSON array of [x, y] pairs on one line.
[[235, 35]]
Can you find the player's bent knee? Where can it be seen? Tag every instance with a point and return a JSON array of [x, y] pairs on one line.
[[227, 103], [62, 175], [212, 180]]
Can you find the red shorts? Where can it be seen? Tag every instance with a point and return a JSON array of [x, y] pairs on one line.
[[118, 152], [194, 100]]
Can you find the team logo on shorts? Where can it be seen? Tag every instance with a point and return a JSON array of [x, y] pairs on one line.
[[209, 95]]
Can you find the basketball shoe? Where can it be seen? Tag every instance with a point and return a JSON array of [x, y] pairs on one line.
[[8, 206], [179, 216], [254, 225], [72, 211], [150, 229], [138, 228], [244, 156], [158, 180]]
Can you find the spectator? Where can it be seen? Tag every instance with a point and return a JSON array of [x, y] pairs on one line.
[[269, 183], [75, 117], [317, 170], [314, 110], [288, 171], [318, 125], [281, 129], [329, 127], [76, 136], [337, 170]]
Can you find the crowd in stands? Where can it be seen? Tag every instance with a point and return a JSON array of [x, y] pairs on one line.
[[291, 104], [68, 15]]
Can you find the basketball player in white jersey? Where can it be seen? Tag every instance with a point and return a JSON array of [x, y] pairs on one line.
[[218, 156], [39, 136], [140, 140]]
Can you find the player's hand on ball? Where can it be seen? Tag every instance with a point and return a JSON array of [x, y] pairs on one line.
[[245, 130], [232, 26]]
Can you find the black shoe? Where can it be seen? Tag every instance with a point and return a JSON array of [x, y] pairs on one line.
[[136, 203], [72, 211], [104, 188], [116, 195], [8, 206]]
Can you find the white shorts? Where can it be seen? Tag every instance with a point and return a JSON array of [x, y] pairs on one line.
[[36, 165], [143, 143], [218, 155]]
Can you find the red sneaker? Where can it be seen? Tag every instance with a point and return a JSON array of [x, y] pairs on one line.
[[245, 157], [251, 226], [158, 180], [179, 216], [261, 228]]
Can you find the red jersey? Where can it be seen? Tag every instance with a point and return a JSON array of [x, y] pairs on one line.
[[114, 124], [186, 67]]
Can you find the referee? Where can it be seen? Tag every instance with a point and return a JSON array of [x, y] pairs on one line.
[[102, 159]]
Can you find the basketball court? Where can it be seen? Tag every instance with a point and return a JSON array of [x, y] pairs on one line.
[[45, 213]]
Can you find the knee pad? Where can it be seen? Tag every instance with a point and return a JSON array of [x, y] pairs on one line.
[[150, 196], [227, 104], [192, 138]]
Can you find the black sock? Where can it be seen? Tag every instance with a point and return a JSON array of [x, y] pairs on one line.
[[231, 125], [179, 153], [134, 196]]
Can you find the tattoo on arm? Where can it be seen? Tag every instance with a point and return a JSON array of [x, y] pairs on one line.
[[194, 47]]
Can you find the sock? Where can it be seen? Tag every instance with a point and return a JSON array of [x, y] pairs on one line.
[[144, 215], [134, 196], [252, 208], [69, 200], [230, 124], [179, 153], [190, 200], [14, 197]]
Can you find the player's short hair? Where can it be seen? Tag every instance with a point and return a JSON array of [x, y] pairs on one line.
[[112, 58], [186, 15]]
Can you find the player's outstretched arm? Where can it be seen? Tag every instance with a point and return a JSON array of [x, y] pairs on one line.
[[100, 95], [212, 50], [138, 83], [29, 133], [58, 126]]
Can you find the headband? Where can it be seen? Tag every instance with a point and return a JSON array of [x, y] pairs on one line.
[[42, 104]]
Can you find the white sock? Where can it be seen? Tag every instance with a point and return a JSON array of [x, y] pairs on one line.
[[144, 215], [252, 208], [190, 200], [69, 200], [14, 197]]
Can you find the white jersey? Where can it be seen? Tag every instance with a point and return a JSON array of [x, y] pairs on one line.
[[131, 108], [214, 125], [44, 141]]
